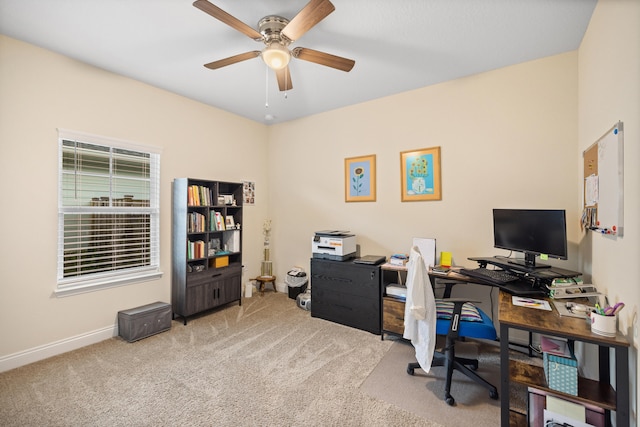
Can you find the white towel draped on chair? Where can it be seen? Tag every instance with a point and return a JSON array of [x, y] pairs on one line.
[[420, 311]]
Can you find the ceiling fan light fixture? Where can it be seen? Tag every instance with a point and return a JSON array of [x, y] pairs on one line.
[[276, 56]]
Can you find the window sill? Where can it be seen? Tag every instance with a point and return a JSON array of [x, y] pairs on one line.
[[105, 283]]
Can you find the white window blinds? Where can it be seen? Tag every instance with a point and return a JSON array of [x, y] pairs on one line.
[[108, 212]]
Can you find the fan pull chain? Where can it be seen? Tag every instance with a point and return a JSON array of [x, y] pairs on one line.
[[286, 84], [266, 87]]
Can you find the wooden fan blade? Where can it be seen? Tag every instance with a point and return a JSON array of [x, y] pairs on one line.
[[323, 58], [314, 12], [232, 60], [284, 79], [224, 17]]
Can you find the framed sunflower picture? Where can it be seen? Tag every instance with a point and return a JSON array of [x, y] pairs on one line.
[[360, 179], [420, 170]]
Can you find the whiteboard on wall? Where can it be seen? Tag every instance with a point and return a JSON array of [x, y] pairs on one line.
[[604, 181]]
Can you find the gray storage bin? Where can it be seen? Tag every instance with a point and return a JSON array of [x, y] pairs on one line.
[[144, 321]]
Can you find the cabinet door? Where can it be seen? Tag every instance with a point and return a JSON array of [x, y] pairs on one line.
[[230, 289], [393, 315], [201, 297]]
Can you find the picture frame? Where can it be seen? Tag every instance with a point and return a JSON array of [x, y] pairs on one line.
[[229, 222], [420, 175], [248, 192], [360, 179]]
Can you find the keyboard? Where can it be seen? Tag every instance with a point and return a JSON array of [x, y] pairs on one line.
[[499, 277]]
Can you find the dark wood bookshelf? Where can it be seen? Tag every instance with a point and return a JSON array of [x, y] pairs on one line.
[[210, 276]]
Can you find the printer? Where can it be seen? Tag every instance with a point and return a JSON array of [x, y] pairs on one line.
[[335, 245]]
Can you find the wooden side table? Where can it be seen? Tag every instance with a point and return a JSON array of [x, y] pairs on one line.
[[263, 280]]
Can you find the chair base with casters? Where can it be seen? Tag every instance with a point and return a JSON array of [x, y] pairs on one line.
[[453, 330]]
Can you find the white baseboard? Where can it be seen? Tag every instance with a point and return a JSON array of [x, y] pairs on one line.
[[42, 352]]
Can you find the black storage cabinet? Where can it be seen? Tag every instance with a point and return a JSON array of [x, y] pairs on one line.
[[347, 293]]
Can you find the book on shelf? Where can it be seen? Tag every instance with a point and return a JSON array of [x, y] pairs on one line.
[[198, 195], [219, 220], [195, 196], [195, 249], [196, 222], [214, 220], [190, 196]]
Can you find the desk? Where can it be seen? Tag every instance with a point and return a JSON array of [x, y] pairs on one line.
[[599, 393], [520, 287], [539, 274], [393, 307]]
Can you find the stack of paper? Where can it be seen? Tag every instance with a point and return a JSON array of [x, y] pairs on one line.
[[540, 304], [397, 290]]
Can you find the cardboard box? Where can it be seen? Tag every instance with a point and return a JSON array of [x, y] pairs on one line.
[[222, 261]]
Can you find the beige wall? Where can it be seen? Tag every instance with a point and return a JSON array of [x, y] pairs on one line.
[[508, 138], [609, 90], [41, 91], [512, 137]]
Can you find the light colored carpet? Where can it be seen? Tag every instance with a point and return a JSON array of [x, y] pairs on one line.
[[422, 393], [265, 363]]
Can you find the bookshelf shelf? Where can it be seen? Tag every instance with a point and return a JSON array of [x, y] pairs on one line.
[[206, 245]]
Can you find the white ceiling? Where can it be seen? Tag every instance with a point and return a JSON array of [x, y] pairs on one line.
[[397, 45]]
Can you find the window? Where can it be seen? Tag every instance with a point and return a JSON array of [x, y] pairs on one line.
[[108, 213]]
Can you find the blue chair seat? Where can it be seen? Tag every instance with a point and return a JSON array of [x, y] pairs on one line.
[[482, 330]]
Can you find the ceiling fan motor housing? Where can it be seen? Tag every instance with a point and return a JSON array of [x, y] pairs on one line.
[[271, 29], [277, 33]]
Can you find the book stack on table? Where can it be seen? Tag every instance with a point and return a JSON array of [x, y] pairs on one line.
[[398, 259]]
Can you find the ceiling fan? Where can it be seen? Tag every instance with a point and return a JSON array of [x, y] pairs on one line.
[[277, 33]]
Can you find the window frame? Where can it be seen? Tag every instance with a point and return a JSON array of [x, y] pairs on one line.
[[90, 282]]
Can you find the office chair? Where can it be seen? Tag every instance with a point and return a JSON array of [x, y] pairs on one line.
[[456, 319]]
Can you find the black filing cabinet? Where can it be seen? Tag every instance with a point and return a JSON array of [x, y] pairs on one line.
[[347, 293]]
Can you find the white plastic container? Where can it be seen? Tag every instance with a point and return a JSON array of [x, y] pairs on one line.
[[603, 325]]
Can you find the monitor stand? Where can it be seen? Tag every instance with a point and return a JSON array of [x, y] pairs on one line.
[[529, 262], [525, 264]]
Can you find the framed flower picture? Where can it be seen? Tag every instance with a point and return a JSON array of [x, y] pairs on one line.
[[360, 179], [420, 174]]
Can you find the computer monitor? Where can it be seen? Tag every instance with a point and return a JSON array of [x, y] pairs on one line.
[[532, 231]]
